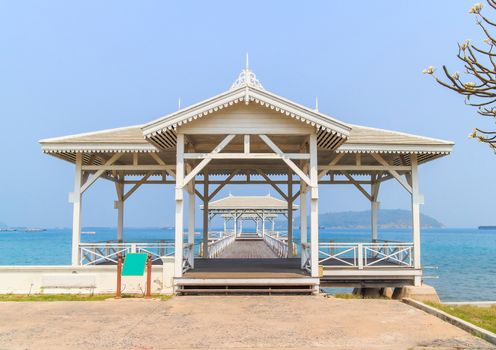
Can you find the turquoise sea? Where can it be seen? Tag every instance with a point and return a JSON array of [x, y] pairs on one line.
[[462, 260]]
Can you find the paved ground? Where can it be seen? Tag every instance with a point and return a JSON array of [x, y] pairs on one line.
[[227, 323]]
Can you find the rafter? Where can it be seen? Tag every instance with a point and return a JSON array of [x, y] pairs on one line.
[[206, 160], [392, 171], [288, 161]]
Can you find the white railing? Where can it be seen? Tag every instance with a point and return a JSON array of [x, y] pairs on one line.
[[366, 255], [217, 246], [188, 256], [305, 257], [278, 245], [100, 253]]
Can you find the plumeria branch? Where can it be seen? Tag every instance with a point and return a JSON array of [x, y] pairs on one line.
[[478, 84]]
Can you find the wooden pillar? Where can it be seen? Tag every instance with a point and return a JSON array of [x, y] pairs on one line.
[[263, 224], [191, 220], [416, 201], [374, 208], [303, 218], [205, 214], [179, 233], [119, 204], [303, 212], [314, 207], [235, 224], [76, 209], [290, 213]]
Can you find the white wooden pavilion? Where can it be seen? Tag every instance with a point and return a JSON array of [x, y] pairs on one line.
[[262, 210], [248, 135]]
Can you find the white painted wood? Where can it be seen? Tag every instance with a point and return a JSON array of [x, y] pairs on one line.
[[99, 173], [415, 211], [357, 185], [241, 119], [129, 167], [120, 211], [290, 213], [270, 182], [329, 166], [374, 208], [161, 162], [232, 155], [363, 168], [205, 214], [289, 162], [179, 233], [247, 144], [136, 186], [191, 221], [76, 210], [222, 184], [205, 161], [393, 172], [303, 219], [314, 208]]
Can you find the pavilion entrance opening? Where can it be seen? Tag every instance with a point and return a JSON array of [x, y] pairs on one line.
[[249, 239]]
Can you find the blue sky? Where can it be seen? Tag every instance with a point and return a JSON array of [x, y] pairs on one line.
[[70, 67]]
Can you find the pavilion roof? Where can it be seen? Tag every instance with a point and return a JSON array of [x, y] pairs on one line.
[[332, 135], [266, 202]]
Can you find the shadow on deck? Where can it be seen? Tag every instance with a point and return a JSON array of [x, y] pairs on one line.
[[247, 268]]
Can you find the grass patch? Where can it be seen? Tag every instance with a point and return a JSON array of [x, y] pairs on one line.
[[484, 317], [72, 297]]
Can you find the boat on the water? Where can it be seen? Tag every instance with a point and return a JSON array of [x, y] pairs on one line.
[[88, 232], [487, 227]]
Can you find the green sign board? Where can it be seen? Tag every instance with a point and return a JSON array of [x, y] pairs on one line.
[[134, 264]]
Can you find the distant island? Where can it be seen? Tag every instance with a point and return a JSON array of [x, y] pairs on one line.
[[5, 228], [386, 218]]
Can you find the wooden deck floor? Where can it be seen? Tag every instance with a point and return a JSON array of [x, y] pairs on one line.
[[246, 268], [248, 249]]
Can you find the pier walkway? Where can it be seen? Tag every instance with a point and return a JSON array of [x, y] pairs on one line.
[[248, 248]]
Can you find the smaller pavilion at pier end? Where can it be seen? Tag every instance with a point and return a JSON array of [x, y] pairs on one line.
[[250, 136]]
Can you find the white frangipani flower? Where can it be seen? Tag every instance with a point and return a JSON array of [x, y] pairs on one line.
[[476, 9], [429, 70]]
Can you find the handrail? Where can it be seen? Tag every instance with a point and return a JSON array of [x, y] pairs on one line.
[[278, 246], [216, 247], [366, 255], [97, 253]]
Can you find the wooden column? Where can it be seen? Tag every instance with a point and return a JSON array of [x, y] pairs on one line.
[[290, 213], [374, 208], [303, 212], [119, 186], [416, 201], [314, 207], [235, 224], [303, 217], [179, 234], [76, 209], [191, 220], [205, 214]]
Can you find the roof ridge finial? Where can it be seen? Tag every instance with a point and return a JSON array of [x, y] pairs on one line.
[[247, 77], [316, 103], [179, 103]]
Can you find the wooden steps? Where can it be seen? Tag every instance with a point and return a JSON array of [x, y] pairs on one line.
[[247, 286]]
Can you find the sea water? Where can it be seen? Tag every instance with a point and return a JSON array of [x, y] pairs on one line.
[[459, 263]]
